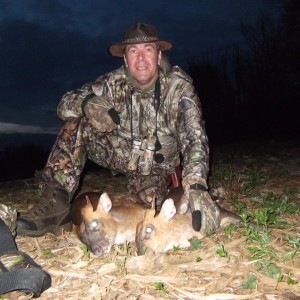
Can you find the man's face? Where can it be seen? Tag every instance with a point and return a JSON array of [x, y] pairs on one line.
[[142, 61]]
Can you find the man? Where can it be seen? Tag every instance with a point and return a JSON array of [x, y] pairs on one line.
[[138, 120]]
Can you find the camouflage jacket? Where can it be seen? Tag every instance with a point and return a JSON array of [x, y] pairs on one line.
[[180, 125]]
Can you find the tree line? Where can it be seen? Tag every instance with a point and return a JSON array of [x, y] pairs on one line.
[[254, 91]]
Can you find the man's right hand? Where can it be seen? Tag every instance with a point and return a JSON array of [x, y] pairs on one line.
[[101, 115]]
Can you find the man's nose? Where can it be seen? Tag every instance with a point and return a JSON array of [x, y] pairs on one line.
[[141, 55]]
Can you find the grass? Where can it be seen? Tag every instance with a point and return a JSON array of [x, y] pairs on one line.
[[121, 265], [260, 213], [250, 282], [195, 243], [221, 251], [229, 229], [86, 252], [236, 185], [270, 269], [229, 180], [261, 256], [159, 286], [256, 177]]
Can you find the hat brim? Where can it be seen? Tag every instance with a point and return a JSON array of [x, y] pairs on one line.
[[118, 49]]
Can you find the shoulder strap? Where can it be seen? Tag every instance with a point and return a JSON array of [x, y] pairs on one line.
[[6, 238], [29, 278]]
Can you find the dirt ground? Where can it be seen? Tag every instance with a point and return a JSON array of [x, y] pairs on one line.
[[271, 170]]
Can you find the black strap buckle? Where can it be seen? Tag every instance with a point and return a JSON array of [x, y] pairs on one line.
[[198, 187]]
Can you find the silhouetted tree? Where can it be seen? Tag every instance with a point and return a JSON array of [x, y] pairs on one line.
[[255, 94], [290, 47], [262, 80]]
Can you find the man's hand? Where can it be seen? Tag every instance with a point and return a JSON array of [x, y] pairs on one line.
[[101, 115], [205, 213]]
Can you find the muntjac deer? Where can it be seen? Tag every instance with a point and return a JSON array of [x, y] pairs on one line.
[[158, 234], [101, 221]]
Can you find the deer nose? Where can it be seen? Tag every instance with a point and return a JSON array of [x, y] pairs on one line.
[[140, 251], [97, 251], [140, 246]]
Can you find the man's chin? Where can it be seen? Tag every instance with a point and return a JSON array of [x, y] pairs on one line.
[[143, 81]]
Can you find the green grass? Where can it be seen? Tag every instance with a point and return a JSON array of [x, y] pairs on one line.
[[86, 252], [195, 243], [229, 229], [269, 269], [221, 251], [159, 286], [250, 282], [261, 214], [256, 177], [121, 265]]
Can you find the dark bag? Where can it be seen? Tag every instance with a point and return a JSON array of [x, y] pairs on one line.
[[18, 271]]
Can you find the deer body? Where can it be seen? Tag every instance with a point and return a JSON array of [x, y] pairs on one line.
[[168, 229]]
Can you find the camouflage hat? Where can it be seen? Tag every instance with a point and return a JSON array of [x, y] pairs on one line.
[[138, 34]]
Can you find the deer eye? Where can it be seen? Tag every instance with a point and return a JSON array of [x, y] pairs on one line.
[[149, 229], [94, 225]]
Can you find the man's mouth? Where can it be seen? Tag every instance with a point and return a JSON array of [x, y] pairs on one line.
[[141, 68]]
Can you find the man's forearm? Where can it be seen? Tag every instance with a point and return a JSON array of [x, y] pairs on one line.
[[70, 105]]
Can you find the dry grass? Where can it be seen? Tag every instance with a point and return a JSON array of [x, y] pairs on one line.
[[181, 274]]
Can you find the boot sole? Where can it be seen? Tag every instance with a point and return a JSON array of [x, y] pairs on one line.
[[50, 229]]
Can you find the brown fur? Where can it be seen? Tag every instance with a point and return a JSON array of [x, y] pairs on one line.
[[101, 222], [161, 233]]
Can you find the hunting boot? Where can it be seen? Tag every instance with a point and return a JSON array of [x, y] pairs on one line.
[[51, 213]]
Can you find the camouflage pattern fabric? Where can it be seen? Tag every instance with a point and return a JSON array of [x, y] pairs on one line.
[[179, 124], [8, 215]]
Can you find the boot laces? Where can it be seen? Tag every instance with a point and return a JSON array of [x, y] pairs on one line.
[[41, 208], [47, 201]]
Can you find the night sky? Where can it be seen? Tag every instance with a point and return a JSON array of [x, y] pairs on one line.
[[50, 47]]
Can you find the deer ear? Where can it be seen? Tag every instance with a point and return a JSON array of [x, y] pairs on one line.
[[88, 208], [88, 202], [104, 203], [168, 209], [153, 204]]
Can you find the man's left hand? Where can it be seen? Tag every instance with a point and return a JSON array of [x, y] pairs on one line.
[[205, 212]]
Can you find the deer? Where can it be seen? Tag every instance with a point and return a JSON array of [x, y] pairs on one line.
[[102, 221], [160, 233]]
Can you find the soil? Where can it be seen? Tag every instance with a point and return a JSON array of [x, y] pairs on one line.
[[272, 168]]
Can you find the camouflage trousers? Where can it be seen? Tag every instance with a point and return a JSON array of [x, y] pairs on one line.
[[78, 141]]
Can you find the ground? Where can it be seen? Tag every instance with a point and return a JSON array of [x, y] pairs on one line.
[[258, 180]]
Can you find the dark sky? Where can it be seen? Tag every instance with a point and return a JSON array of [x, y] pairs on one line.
[[48, 47]]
